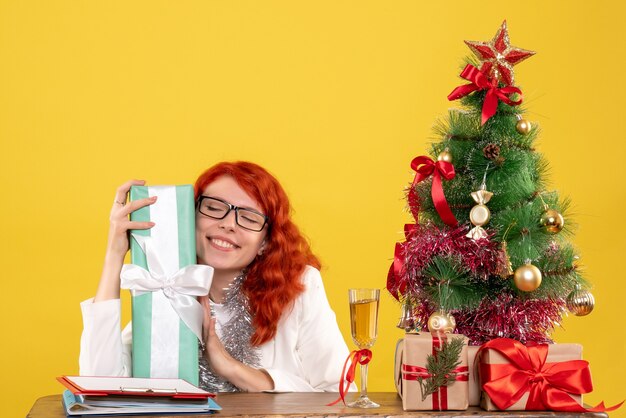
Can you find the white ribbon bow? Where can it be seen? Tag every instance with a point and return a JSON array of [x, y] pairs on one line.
[[180, 288]]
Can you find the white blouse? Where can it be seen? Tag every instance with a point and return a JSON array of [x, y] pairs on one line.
[[306, 355]]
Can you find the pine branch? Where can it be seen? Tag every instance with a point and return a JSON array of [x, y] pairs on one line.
[[441, 365], [447, 284]]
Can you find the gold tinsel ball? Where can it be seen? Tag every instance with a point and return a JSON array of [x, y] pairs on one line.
[[441, 322], [523, 126], [527, 278], [580, 302], [445, 156], [552, 220]]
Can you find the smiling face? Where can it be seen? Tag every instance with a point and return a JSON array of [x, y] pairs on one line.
[[221, 243]]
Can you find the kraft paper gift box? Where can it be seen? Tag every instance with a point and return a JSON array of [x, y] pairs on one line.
[[165, 281], [474, 382], [494, 366], [410, 362]]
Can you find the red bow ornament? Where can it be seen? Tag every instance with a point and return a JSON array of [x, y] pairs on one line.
[[395, 280], [550, 386], [479, 81], [425, 167]]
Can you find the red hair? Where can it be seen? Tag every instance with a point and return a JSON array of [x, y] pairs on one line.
[[272, 279]]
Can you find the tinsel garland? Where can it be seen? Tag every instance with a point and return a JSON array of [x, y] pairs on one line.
[[482, 258], [525, 320], [501, 315], [236, 334]]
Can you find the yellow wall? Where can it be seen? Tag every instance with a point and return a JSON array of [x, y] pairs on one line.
[[334, 97]]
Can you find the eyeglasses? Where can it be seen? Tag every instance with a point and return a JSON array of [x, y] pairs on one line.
[[218, 209]]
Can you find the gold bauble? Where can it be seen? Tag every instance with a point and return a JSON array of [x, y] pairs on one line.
[[445, 156], [523, 126], [527, 278], [479, 215], [552, 220], [441, 322], [580, 302]]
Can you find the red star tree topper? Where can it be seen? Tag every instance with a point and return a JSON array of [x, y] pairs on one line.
[[498, 56]]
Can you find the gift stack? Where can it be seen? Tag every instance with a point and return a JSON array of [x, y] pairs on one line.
[[165, 281], [485, 258], [440, 372]]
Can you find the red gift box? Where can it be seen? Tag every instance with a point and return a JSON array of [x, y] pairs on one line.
[[534, 378]]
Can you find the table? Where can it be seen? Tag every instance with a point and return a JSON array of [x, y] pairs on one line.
[[306, 404]]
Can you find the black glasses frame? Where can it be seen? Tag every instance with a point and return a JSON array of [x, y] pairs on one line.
[[232, 207]]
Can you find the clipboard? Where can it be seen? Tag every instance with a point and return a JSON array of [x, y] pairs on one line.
[[133, 386]]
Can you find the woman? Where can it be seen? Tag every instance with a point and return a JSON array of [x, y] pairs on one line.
[[267, 323]]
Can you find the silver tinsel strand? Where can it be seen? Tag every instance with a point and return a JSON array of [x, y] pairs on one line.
[[236, 335]]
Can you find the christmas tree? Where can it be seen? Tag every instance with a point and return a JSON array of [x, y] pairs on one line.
[[490, 250]]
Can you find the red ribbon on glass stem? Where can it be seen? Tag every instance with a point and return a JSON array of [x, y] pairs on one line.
[[425, 167], [355, 357], [549, 384], [479, 81]]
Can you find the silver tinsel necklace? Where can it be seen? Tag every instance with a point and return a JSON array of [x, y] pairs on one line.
[[235, 337]]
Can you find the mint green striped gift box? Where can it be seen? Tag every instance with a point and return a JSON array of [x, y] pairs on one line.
[[164, 281]]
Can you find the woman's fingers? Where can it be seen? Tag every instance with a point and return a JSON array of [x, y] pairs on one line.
[[212, 333], [122, 191], [120, 224], [139, 225], [137, 204], [206, 307]]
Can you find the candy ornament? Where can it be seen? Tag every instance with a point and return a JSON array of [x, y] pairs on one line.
[[480, 214]]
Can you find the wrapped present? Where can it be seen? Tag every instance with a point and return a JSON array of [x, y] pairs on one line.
[[432, 372], [541, 377], [165, 281], [475, 389]]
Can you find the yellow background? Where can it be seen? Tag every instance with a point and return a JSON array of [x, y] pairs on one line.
[[334, 97]]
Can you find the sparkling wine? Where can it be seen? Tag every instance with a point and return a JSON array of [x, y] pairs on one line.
[[364, 322]]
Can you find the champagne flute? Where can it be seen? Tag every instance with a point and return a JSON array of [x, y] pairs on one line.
[[364, 325]]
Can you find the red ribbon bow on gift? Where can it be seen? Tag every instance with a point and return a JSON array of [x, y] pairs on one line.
[[550, 384], [479, 81], [355, 357], [424, 167]]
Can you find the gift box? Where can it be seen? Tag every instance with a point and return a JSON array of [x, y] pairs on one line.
[[541, 377], [475, 389], [415, 382], [165, 281]]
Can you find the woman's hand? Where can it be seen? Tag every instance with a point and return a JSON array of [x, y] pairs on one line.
[[117, 244], [120, 224], [224, 365], [218, 358]]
